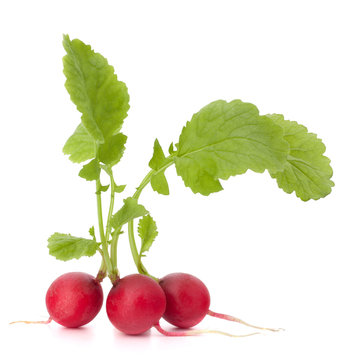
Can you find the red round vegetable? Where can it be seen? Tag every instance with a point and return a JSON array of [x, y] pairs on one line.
[[187, 299], [74, 299], [135, 304]]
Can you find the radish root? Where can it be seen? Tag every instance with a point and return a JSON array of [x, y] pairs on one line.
[[33, 322], [232, 318], [198, 332]]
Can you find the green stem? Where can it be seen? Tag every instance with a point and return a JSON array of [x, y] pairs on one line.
[[111, 205], [102, 272], [114, 245], [135, 254], [100, 226]]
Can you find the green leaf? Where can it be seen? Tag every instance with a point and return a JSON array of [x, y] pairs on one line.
[[171, 149], [90, 171], [159, 183], [92, 232], [104, 188], [80, 146], [94, 89], [66, 247], [147, 230], [307, 171], [226, 139], [112, 150], [158, 158], [129, 211], [119, 188]]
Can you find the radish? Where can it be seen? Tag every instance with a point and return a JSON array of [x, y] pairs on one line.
[[188, 301], [135, 304], [72, 300], [221, 140]]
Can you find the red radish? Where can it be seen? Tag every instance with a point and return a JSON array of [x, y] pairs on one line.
[[135, 304], [188, 301], [74, 299]]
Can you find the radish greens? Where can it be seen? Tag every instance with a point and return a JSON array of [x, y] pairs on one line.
[[221, 140]]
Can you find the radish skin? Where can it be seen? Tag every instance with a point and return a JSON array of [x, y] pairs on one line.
[[74, 299], [135, 304], [188, 302]]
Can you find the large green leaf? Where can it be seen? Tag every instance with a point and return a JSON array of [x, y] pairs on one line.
[[66, 247], [226, 139], [94, 89], [307, 171]]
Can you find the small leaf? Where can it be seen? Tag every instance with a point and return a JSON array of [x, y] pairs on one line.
[[66, 247], [104, 188], [91, 171], [226, 139], [119, 188], [80, 146], [92, 232], [158, 181], [307, 171], [147, 230], [159, 184], [129, 211], [113, 149], [171, 149], [158, 158]]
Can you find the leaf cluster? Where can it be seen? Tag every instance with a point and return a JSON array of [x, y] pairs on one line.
[[223, 139]]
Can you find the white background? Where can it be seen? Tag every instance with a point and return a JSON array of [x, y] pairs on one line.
[[265, 256]]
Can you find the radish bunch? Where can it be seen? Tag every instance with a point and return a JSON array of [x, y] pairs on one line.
[[221, 140]]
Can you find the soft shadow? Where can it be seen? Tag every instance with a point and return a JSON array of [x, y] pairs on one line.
[[83, 333], [118, 334], [141, 341]]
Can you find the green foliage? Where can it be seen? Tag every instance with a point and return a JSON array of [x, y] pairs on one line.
[[159, 182], [147, 231], [102, 99], [91, 171], [80, 145], [158, 158], [66, 247], [307, 170], [129, 211], [112, 151], [226, 139], [119, 188], [223, 139]]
